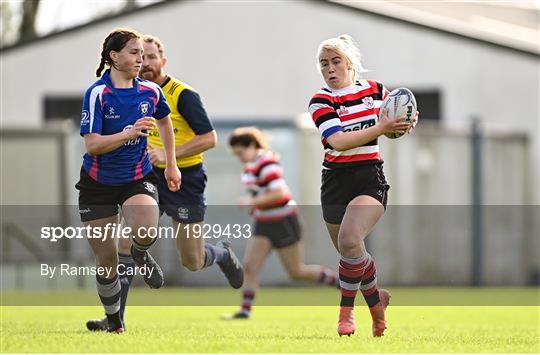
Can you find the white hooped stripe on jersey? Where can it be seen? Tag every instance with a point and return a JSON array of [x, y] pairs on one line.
[[368, 149], [253, 165], [351, 89], [290, 208], [96, 92], [274, 184], [248, 179], [362, 107], [317, 106]]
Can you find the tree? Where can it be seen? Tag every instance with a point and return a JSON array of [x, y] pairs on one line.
[[130, 5], [28, 25]]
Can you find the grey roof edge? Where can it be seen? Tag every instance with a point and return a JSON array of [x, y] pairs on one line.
[[526, 50]]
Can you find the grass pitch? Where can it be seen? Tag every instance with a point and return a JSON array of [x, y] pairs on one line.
[[273, 329]]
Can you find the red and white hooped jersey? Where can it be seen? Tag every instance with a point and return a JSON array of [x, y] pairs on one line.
[[265, 174], [352, 108]]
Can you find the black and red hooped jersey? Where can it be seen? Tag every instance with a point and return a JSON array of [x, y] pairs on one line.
[[352, 108], [265, 174]]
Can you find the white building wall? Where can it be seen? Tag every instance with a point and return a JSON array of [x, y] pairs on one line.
[[256, 59]]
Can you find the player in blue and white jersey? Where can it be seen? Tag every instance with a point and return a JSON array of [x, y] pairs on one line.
[[118, 110]]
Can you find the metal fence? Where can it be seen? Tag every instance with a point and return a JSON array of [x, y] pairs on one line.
[[458, 211]]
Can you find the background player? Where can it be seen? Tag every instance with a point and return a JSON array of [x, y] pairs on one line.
[[276, 217]]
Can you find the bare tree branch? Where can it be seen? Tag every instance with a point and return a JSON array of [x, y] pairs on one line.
[[130, 5], [28, 25]]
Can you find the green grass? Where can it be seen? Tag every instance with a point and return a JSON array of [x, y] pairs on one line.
[[281, 296], [274, 329]]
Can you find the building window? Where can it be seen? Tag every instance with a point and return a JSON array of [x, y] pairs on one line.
[[62, 107], [429, 104]]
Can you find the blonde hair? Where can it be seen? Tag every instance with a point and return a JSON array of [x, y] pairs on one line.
[[157, 41], [343, 45], [246, 136]]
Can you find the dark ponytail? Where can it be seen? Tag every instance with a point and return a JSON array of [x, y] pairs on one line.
[[115, 41]]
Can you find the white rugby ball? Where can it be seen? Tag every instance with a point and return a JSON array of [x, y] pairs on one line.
[[400, 102]]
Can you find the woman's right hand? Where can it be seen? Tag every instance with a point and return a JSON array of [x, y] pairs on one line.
[[387, 126], [142, 124]]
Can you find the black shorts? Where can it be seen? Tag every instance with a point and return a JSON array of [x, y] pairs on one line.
[[97, 200], [341, 186], [281, 233], [187, 205]]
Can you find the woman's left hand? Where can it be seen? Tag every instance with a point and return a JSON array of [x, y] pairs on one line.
[[173, 177]]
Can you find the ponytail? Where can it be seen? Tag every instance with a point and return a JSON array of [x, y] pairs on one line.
[[100, 68]]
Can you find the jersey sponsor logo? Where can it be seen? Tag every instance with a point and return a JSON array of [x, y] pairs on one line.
[[368, 101], [143, 107], [111, 114], [134, 141], [359, 125], [85, 117], [150, 187], [342, 110]]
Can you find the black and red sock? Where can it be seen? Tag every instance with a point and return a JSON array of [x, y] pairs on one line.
[[247, 300], [350, 276], [368, 286], [328, 277]]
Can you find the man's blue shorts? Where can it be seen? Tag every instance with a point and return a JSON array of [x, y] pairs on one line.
[[187, 205]]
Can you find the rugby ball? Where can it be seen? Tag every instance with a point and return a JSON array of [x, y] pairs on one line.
[[400, 102]]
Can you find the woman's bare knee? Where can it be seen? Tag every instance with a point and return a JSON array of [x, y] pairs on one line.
[[108, 260], [350, 245]]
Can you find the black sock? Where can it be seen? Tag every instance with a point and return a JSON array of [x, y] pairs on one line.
[[109, 294], [138, 251], [127, 271]]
